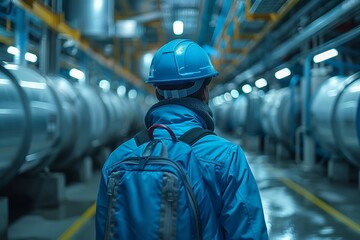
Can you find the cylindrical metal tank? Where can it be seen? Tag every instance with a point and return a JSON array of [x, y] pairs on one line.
[[97, 119], [75, 114], [266, 122], [222, 116], [15, 122], [238, 113], [278, 118], [94, 18], [136, 115], [45, 118], [116, 116], [245, 113], [336, 117]]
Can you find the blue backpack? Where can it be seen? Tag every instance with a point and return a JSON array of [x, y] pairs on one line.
[[158, 191]]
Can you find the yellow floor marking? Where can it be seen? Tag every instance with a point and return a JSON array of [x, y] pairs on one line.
[[79, 223], [321, 204]]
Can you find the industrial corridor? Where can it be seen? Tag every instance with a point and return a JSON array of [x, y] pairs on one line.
[[276, 80]]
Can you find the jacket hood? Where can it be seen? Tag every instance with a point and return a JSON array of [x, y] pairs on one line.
[[184, 113]]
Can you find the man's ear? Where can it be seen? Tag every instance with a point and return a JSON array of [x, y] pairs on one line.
[[205, 94]]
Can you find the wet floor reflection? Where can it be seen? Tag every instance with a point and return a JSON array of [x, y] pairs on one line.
[[289, 215]]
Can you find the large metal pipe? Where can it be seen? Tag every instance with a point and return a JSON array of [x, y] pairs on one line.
[[97, 118], [75, 141], [48, 122], [45, 118], [309, 145], [277, 116], [15, 119], [245, 113], [336, 117]]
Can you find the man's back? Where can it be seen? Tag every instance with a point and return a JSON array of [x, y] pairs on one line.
[[235, 200]]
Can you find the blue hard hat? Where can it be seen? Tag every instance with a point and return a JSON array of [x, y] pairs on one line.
[[180, 61]]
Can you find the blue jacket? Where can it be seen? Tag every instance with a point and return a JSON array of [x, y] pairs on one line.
[[226, 173]]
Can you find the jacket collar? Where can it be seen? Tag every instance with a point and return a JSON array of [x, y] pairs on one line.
[[189, 112]]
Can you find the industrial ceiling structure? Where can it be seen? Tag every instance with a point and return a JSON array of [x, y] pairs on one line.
[[246, 39]]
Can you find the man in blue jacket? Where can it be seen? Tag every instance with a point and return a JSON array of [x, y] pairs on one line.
[[181, 71]]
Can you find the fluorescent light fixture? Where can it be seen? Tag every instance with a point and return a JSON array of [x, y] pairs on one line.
[[246, 88], [76, 73], [16, 52], [227, 96], [218, 100], [215, 101], [178, 27], [283, 73], [260, 83], [234, 93], [33, 85], [98, 5], [121, 90], [132, 94], [104, 85], [13, 50], [325, 55], [30, 57], [128, 29]]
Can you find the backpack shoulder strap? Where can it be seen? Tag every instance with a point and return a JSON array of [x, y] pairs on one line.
[[195, 134], [142, 137], [190, 137]]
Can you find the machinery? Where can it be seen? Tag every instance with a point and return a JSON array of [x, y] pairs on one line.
[[47, 122], [336, 117], [280, 115]]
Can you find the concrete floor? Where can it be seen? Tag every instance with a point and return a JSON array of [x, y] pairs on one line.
[[297, 205]]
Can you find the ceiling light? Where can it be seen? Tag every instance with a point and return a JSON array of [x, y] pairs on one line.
[[13, 50], [16, 52], [121, 90], [260, 83], [128, 29], [104, 85], [234, 93], [227, 96], [178, 27], [246, 88], [282, 73], [76, 73], [325, 55], [132, 94], [218, 100], [30, 57]]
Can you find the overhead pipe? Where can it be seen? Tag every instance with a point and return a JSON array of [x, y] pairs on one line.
[[309, 144], [50, 45], [207, 10], [257, 16], [285, 9], [319, 25], [286, 26], [221, 22], [21, 36]]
